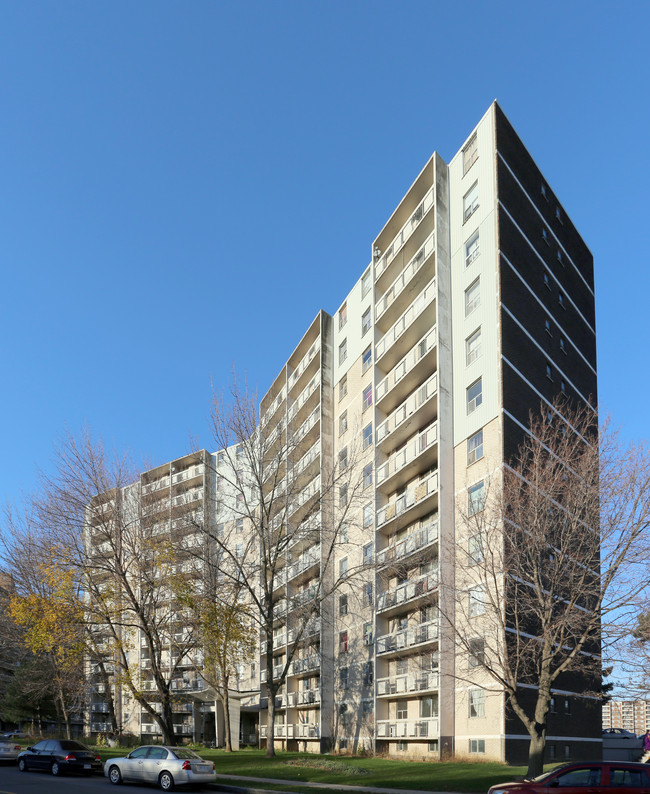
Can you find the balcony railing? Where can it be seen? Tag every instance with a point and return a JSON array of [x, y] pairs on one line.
[[403, 367], [307, 663], [185, 684], [311, 629], [405, 276], [407, 638], [307, 730], [309, 456], [424, 440], [306, 560], [306, 697], [307, 425], [187, 498], [408, 408], [420, 681], [404, 233], [279, 640], [156, 485], [408, 591], [304, 363], [411, 729], [100, 727], [188, 474], [277, 402], [424, 299], [305, 495], [183, 730], [411, 543], [305, 596]]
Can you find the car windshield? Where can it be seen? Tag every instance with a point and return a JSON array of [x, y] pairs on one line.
[[186, 754], [68, 745]]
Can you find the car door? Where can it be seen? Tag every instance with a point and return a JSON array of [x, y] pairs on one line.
[[132, 766], [628, 780], [33, 759], [579, 780], [154, 763], [44, 758]]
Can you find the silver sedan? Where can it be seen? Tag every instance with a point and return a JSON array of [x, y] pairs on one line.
[[166, 766], [9, 750]]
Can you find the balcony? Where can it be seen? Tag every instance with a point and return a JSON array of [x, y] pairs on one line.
[[305, 495], [407, 638], [307, 425], [304, 395], [188, 474], [311, 455], [183, 729], [304, 363], [306, 561], [99, 708], [419, 407], [155, 507], [402, 281], [305, 697], [187, 684], [423, 586], [408, 729], [404, 234], [411, 543], [276, 672], [149, 728], [395, 386], [280, 731], [410, 326], [420, 681], [156, 485], [305, 596], [277, 402], [279, 641], [100, 727], [307, 730], [195, 495], [305, 664], [398, 461], [310, 630]]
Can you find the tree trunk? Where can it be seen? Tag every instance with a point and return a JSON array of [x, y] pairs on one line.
[[225, 702], [270, 726], [536, 752]]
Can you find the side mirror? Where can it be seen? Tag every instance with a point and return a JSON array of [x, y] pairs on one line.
[[30, 748]]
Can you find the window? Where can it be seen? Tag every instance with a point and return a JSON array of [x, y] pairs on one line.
[[549, 371], [365, 322], [367, 515], [559, 257], [344, 532], [474, 395], [401, 709], [343, 677], [343, 566], [367, 633], [401, 666], [547, 283], [343, 458], [433, 746], [543, 189], [240, 452], [558, 214], [475, 498], [343, 351], [473, 347], [343, 605], [367, 436], [475, 447], [475, 551], [552, 706], [367, 556], [428, 707], [562, 386], [367, 397], [402, 746], [547, 327], [343, 386], [470, 154], [366, 709], [551, 752], [545, 236], [628, 778], [471, 249], [476, 703], [367, 588], [563, 345], [560, 300], [368, 674], [366, 283], [221, 459], [366, 359], [567, 706], [472, 297], [470, 202], [476, 601], [343, 642], [367, 475], [239, 525], [476, 652], [343, 315], [477, 745], [343, 495], [343, 422], [239, 550]]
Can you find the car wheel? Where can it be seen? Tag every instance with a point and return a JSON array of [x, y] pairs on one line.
[[55, 769], [166, 781], [115, 776], [22, 766]]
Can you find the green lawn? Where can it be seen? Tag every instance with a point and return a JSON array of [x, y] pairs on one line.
[[301, 767]]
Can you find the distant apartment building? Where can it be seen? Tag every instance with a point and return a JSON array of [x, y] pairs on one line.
[[476, 306], [630, 715]]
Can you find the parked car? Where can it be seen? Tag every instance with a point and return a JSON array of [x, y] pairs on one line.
[[167, 766], [616, 777], [60, 756], [9, 750]]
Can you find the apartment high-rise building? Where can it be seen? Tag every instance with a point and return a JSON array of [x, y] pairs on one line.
[[477, 306]]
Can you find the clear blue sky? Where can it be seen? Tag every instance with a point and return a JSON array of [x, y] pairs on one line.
[[173, 174]]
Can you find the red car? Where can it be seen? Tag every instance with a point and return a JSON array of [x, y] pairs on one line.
[[589, 777]]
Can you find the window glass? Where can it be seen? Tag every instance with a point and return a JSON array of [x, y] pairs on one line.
[[471, 249], [470, 154], [367, 436], [630, 778], [475, 498], [366, 283], [475, 447], [476, 703], [473, 347], [472, 297], [343, 315], [588, 776], [139, 753], [474, 395], [367, 475], [367, 397], [158, 753], [365, 322], [470, 202], [476, 601], [343, 351], [367, 358]]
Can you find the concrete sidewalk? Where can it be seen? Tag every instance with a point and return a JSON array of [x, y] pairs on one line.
[[245, 789]]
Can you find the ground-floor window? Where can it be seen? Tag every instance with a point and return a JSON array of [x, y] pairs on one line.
[[477, 745]]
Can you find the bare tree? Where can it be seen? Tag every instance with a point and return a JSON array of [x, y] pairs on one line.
[[551, 553], [280, 510]]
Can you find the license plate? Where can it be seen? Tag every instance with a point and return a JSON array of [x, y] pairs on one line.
[[86, 766], [202, 767]]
